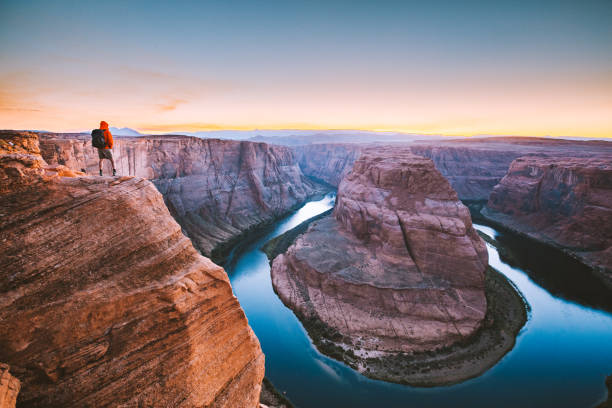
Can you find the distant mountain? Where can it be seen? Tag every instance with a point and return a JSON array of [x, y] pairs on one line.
[[303, 136], [343, 137], [124, 131]]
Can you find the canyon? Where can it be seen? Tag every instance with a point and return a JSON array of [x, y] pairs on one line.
[[217, 190], [104, 301], [485, 174], [397, 268], [107, 302], [561, 201]]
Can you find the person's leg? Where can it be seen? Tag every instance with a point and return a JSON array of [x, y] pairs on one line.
[[100, 157], [108, 153]]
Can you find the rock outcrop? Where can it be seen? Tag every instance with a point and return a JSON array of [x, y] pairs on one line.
[[103, 300], [566, 202], [472, 170], [327, 162], [398, 267], [217, 190], [475, 166], [9, 388]]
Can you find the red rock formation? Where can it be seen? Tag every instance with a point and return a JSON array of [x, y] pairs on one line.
[[9, 387], [475, 166], [104, 302], [563, 201], [398, 267], [327, 162], [216, 189]]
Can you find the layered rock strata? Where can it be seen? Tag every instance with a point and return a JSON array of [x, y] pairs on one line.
[[9, 387], [398, 267], [566, 202], [216, 189], [103, 300], [327, 162], [475, 166]]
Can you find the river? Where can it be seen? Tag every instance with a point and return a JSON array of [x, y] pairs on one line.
[[561, 358]]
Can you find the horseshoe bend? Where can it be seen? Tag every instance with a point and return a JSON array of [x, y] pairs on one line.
[[395, 272], [108, 297]]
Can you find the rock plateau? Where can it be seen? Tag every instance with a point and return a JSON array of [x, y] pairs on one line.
[[103, 300]]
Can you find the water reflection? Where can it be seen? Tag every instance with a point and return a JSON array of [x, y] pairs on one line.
[[561, 357]]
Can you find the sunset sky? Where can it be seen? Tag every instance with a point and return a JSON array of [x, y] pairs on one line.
[[442, 67]]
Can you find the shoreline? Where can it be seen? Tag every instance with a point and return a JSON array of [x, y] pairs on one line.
[[222, 253], [507, 313], [598, 271]]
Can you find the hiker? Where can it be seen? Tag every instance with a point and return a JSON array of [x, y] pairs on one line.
[[104, 146]]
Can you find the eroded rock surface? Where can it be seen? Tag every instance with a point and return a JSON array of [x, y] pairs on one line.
[[474, 166], [563, 201], [328, 162], [216, 189], [9, 387], [103, 300], [397, 267]]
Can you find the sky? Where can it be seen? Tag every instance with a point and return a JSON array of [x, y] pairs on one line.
[[434, 67]]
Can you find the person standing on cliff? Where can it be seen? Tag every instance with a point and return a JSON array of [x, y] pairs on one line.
[[106, 152]]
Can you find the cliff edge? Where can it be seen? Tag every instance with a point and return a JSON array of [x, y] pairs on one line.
[[104, 301]]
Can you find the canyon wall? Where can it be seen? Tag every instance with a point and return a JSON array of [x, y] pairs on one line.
[[566, 202], [216, 189], [327, 162], [103, 300], [474, 166], [471, 171], [398, 267]]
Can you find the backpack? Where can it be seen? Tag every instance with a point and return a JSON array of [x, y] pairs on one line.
[[97, 138]]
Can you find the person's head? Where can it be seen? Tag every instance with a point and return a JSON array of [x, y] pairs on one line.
[[103, 125]]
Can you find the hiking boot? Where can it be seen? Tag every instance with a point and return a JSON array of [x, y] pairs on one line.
[[100, 172], [114, 172]]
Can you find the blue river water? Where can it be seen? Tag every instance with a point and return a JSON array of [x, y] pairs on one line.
[[561, 358]]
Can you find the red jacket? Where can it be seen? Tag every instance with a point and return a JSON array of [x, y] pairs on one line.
[[108, 137]]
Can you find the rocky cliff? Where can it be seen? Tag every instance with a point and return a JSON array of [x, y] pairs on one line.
[[103, 300], [566, 202], [327, 162], [397, 267], [475, 166], [471, 171], [216, 189], [9, 387]]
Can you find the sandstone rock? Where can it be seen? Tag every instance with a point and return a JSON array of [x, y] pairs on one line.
[[475, 166], [327, 162], [9, 387], [566, 202], [472, 171], [215, 189], [398, 267], [104, 302]]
